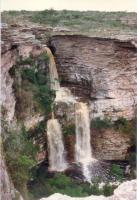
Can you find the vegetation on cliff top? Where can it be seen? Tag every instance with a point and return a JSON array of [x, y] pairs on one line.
[[81, 21]]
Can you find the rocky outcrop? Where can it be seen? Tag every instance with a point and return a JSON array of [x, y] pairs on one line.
[[7, 95], [8, 192], [126, 191], [14, 47], [6, 186], [100, 71], [97, 70], [109, 144]]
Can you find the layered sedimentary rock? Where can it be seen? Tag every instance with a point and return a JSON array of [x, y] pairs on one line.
[[110, 144], [107, 143], [100, 71], [14, 46]]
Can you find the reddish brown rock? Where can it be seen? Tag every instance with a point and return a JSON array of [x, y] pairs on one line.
[[109, 144]]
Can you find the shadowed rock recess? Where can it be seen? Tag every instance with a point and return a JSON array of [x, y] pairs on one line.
[[101, 71]]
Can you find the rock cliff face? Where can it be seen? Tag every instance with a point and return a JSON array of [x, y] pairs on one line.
[[110, 144], [14, 46], [107, 143], [101, 71], [8, 192]]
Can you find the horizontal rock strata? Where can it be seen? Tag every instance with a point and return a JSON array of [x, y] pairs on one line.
[[101, 71]]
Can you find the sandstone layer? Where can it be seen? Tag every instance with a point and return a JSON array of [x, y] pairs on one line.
[[101, 71]]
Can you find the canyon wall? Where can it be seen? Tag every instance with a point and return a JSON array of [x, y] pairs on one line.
[[14, 47], [102, 72]]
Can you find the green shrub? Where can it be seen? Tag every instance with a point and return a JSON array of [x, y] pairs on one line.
[[123, 125], [45, 97], [40, 87], [20, 154], [29, 74], [26, 61], [60, 183], [39, 130], [108, 190], [31, 85], [98, 123], [69, 129], [117, 172]]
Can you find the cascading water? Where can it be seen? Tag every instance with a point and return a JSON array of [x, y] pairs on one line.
[[62, 94], [83, 151], [57, 159], [54, 79]]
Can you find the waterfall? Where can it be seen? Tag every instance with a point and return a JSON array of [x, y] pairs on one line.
[[54, 79], [83, 151], [57, 160], [63, 94]]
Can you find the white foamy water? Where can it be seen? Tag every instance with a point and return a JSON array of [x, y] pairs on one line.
[[57, 161], [64, 95], [83, 151]]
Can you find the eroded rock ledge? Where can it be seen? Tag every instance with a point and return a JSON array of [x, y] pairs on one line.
[[101, 71]]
